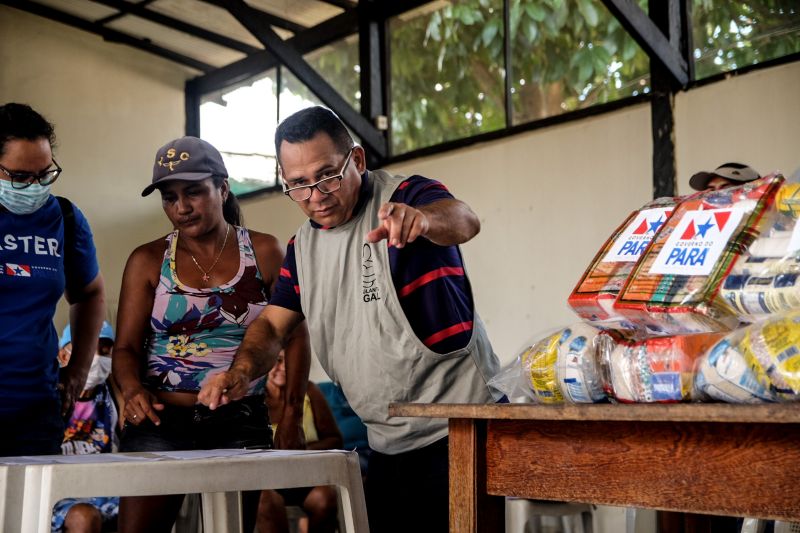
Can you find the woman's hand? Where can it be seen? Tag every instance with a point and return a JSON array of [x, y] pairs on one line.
[[141, 404], [69, 387]]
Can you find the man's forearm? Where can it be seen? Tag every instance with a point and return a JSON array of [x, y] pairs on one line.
[[297, 355], [259, 350], [450, 222]]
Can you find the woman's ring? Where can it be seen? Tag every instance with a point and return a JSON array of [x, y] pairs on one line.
[[134, 417]]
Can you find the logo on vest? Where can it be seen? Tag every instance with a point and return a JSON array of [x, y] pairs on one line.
[[369, 281]]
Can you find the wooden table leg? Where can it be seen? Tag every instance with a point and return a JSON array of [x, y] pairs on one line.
[[471, 508]]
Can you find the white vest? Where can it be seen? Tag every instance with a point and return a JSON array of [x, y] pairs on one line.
[[363, 339]]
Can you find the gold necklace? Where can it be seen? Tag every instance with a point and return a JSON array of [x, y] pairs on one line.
[[207, 273]]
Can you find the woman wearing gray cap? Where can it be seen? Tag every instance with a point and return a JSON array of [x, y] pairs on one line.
[[185, 303]]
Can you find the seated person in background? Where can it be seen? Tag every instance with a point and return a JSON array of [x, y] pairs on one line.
[[354, 432], [321, 432], [725, 175], [90, 429]]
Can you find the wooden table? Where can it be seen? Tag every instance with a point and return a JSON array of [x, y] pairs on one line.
[[738, 460]]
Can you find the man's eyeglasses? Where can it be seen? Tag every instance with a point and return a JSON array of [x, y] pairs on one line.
[[23, 180], [326, 185]]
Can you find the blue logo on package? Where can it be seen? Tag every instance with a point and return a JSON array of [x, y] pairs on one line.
[[666, 386]]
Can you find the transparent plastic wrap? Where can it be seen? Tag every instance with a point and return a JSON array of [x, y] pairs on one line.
[[674, 287], [558, 368], [658, 369], [766, 279], [757, 363], [593, 297]]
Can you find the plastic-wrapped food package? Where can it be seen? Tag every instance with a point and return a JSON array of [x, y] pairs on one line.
[[658, 369], [766, 280], [674, 287], [772, 349], [562, 367], [756, 363], [593, 297], [723, 374]]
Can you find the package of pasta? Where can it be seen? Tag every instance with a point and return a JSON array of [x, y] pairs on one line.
[[562, 367], [674, 287], [593, 297], [658, 369], [766, 279], [759, 362]]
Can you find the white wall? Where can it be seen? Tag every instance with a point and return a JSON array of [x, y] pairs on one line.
[[749, 119], [112, 106]]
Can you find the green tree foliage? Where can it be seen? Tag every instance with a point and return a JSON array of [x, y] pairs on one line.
[[448, 66], [729, 34]]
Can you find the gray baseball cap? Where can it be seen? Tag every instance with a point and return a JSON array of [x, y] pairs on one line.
[[187, 158], [729, 171]]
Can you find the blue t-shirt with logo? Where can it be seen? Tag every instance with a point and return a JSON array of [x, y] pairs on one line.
[[31, 284]]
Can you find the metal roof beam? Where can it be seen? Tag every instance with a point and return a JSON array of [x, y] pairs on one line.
[[387, 10], [260, 27], [652, 40], [120, 14], [323, 33], [373, 59], [344, 4], [273, 20], [175, 24], [107, 34]]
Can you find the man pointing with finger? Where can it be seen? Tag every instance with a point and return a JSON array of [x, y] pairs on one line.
[[377, 273]]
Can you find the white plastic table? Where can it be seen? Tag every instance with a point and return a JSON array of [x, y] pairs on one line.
[[218, 475]]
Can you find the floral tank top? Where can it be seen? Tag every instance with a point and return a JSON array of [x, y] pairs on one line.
[[194, 333]]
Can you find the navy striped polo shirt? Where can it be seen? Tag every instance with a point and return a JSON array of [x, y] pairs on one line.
[[430, 281]]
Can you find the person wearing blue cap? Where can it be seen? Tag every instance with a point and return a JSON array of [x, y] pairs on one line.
[[91, 429], [46, 252]]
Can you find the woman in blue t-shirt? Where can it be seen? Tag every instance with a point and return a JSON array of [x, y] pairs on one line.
[[33, 277]]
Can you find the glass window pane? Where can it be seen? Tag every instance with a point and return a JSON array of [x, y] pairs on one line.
[[571, 54], [294, 95], [729, 34], [337, 64], [240, 122], [446, 72]]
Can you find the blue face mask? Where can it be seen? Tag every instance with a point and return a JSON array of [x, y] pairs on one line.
[[23, 201]]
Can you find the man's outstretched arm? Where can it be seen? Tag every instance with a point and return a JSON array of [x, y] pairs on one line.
[[256, 356]]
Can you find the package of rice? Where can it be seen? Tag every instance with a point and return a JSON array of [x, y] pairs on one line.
[[593, 297], [658, 369], [562, 367], [674, 287]]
